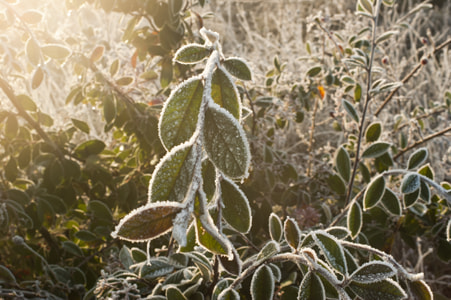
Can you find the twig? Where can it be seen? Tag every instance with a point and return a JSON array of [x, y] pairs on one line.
[[312, 132]]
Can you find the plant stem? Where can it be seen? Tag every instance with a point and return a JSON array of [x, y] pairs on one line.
[[312, 132], [367, 101]]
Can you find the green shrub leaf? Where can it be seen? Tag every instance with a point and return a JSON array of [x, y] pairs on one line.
[[332, 250], [221, 286], [233, 266], [271, 248], [411, 198], [100, 210], [147, 222], [417, 158], [173, 175], [410, 183], [6, 276], [448, 231], [372, 272], [224, 92], [179, 116], [427, 171], [262, 284], [349, 108], [374, 192], [229, 294], [238, 68], [191, 54], [421, 290], [275, 227], [376, 149], [337, 184], [386, 289], [391, 202], [92, 147], [236, 210], [373, 132], [27, 103], [174, 293], [354, 219], [226, 143], [311, 288], [343, 163], [81, 125], [292, 233]]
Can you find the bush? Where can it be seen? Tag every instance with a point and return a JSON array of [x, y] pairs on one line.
[[323, 218]]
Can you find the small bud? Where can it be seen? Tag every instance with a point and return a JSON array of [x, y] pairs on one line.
[[18, 240], [424, 41], [424, 61], [385, 60]]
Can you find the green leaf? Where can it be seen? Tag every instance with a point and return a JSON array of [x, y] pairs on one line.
[[174, 293], [337, 184], [425, 192], [373, 132], [147, 222], [275, 227], [292, 233], [27, 103], [224, 92], [124, 81], [343, 163], [262, 284], [225, 142], [385, 36], [191, 54], [355, 219], [417, 158], [166, 72], [229, 294], [332, 250], [11, 171], [11, 127], [173, 175], [420, 290], [83, 126], [374, 192], [236, 210], [391, 202], [372, 272], [209, 176], [86, 236], [157, 267], [6, 276], [427, 171], [357, 92], [367, 5], [376, 149], [350, 110], [56, 51], [365, 172], [312, 72], [210, 238], [233, 266], [271, 248], [386, 289], [72, 248], [410, 183], [91, 147], [311, 288], [100, 210], [221, 286], [109, 108], [178, 119], [411, 198], [19, 196], [238, 68]]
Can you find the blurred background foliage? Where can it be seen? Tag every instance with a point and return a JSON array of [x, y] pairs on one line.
[[83, 82]]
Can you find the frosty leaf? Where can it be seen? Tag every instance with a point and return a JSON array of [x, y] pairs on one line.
[[350, 110], [208, 176], [6, 276], [391, 202], [236, 210], [226, 143], [425, 192], [147, 222], [421, 290], [178, 119], [343, 163], [224, 92], [173, 175], [354, 219], [410, 183], [56, 51], [417, 158], [233, 266], [448, 231], [221, 286], [311, 288], [271, 248], [427, 171], [411, 198], [332, 250], [339, 232], [229, 294], [366, 5], [202, 263], [155, 268], [376, 150], [191, 54], [374, 192], [373, 132], [386, 289], [292, 233], [275, 227], [238, 68], [372, 272], [174, 293], [262, 284]]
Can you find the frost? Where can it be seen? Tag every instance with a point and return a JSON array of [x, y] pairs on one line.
[[373, 272], [332, 250], [262, 284], [226, 100], [181, 222], [210, 37]]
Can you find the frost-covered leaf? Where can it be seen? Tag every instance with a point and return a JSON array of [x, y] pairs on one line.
[[83, 126], [229, 294], [374, 192], [174, 293], [180, 112], [448, 231], [226, 143], [233, 266], [147, 222], [427, 171], [311, 288], [354, 219], [221, 286], [391, 202], [236, 210], [292, 233], [386, 289], [411, 198], [417, 158], [425, 192], [385, 36], [271, 248], [173, 175], [337, 184], [343, 163], [56, 51], [224, 92], [421, 290], [191, 54], [262, 284], [275, 227], [339, 232], [410, 183], [202, 263], [332, 250], [372, 272], [373, 132], [158, 267], [6, 276], [350, 110], [375, 150], [209, 178], [366, 5], [238, 68]]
